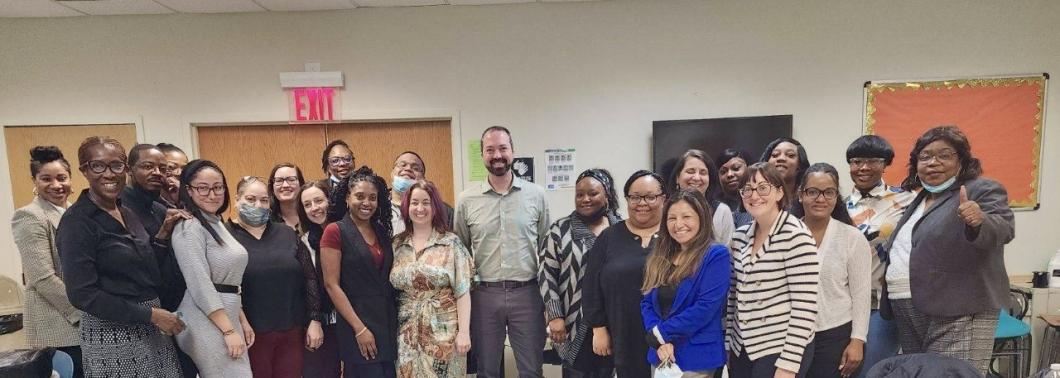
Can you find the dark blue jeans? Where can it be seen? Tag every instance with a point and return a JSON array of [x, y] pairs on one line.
[[882, 342]]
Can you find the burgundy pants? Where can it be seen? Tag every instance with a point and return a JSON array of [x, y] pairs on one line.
[[278, 354]]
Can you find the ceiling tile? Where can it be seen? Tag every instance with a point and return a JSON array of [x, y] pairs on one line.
[[212, 6], [116, 7], [305, 5], [34, 8], [487, 2], [398, 3]]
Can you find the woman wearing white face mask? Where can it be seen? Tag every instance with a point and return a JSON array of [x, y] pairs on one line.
[[433, 271], [280, 287]]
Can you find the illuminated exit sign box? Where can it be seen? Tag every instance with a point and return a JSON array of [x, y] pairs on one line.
[[313, 97]]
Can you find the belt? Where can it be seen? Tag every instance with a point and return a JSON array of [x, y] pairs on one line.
[[230, 289], [508, 284]]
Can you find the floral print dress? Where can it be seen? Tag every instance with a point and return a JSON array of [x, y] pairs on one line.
[[430, 281]]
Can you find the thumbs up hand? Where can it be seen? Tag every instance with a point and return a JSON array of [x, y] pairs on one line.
[[969, 210]]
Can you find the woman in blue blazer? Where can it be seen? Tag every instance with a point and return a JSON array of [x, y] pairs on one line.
[[686, 281]]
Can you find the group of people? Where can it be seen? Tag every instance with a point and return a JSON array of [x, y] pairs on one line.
[[765, 267]]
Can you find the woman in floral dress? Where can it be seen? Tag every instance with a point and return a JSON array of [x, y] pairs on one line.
[[433, 271]]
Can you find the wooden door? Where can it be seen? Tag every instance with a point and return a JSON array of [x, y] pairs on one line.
[[20, 139], [378, 144]]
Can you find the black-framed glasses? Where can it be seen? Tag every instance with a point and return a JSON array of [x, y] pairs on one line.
[[149, 166], [648, 199], [98, 166], [762, 189], [814, 193], [204, 190], [339, 160], [944, 156], [290, 180], [866, 162]]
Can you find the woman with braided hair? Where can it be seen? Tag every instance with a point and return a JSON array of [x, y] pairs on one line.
[[356, 258]]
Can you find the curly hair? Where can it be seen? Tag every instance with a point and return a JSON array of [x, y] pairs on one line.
[[381, 219], [971, 168]]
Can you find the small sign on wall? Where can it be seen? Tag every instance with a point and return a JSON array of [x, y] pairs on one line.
[[559, 169], [523, 167]]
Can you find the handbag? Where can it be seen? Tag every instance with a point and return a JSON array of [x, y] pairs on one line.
[[668, 370]]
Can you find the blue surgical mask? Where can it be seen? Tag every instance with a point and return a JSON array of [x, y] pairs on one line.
[[252, 215], [940, 187], [401, 184]]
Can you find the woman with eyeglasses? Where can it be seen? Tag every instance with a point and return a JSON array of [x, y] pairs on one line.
[[49, 318], [844, 293], [946, 280], [322, 362], [337, 163], [285, 184], [111, 274], [875, 209], [772, 307], [213, 263], [615, 272], [280, 290]]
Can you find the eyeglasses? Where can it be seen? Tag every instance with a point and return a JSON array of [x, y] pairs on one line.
[[204, 190], [413, 166], [814, 193], [339, 160], [866, 162], [149, 166], [763, 190], [648, 199], [98, 167], [290, 180], [945, 156]]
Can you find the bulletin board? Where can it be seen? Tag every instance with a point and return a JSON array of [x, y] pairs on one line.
[[1002, 117]]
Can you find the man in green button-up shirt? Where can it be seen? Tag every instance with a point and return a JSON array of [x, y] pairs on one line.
[[502, 222]]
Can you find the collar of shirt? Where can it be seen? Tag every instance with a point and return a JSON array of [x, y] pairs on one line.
[[236, 227], [517, 183], [60, 209], [91, 208], [334, 180], [432, 240], [137, 197], [878, 191]]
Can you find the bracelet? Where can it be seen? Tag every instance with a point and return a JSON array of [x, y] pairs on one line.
[[228, 332], [359, 333]]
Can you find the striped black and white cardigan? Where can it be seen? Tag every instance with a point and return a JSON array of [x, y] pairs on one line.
[[772, 305]]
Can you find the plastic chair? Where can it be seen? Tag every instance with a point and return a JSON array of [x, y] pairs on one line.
[[1012, 339], [63, 364]]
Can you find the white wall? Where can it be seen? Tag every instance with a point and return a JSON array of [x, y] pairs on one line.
[[586, 75]]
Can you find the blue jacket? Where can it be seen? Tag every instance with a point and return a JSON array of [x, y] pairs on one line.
[[695, 326]]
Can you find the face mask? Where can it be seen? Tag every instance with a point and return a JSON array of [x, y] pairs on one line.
[[252, 215], [401, 184], [940, 187]]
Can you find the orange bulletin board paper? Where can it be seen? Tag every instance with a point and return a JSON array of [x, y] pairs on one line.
[[1002, 117]]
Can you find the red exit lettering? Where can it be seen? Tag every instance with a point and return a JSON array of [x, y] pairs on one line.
[[314, 104]]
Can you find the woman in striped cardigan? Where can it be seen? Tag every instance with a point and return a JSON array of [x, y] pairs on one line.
[[772, 307]]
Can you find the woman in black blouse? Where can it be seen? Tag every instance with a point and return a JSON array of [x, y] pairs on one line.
[[357, 257], [280, 294], [615, 271], [313, 211], [111, 274]]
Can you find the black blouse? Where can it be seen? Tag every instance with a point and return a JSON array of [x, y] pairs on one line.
[[280, 289], [108, 269], [611, 293]]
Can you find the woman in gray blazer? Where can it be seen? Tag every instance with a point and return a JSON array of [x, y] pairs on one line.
[[50, 319], [946, 279]]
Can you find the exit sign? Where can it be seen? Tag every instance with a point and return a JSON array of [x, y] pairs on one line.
[[314, 105]]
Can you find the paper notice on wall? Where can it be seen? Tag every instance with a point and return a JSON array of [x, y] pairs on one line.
[[474, 160], [559, 168]]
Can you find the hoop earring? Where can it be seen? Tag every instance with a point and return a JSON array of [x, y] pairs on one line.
[[35, 194]]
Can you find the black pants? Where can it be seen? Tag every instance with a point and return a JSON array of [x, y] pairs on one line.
[[765, 367], [587, 364], [384, 369], [75, 354], [828, 351]]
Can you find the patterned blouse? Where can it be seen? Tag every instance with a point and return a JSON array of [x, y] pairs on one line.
[[430, 281], [876, 214]]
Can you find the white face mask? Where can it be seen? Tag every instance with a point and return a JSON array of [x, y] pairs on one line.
[[402, 184], [940, 187]]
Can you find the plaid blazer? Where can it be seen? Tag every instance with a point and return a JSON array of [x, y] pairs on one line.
[[49, 318]]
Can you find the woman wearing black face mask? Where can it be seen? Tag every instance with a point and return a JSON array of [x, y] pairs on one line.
[[563, 266], [280, 291]]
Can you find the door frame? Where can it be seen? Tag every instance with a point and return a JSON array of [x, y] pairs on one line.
[[193, 121]]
